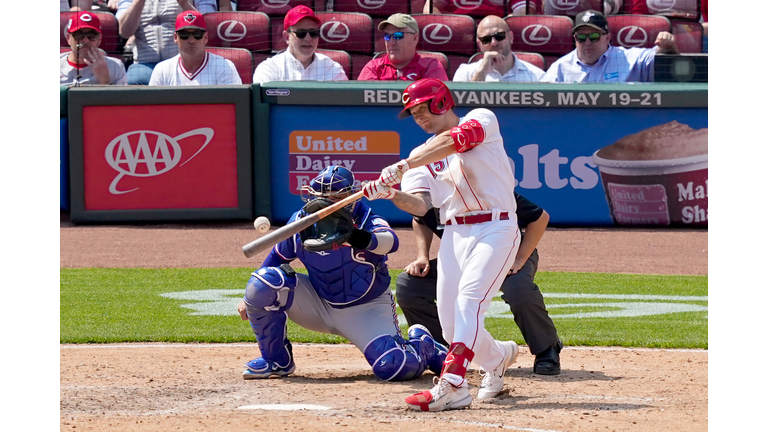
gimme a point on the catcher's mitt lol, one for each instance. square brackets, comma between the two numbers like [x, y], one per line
[328, 233]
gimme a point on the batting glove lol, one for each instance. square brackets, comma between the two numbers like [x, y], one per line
[393, 174]
[376, 190]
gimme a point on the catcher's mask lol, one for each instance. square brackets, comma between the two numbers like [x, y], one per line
[334, 183]
[427, 89]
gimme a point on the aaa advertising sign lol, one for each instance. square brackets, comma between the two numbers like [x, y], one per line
[160, 157]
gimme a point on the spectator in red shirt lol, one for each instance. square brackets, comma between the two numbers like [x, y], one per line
[402, 62]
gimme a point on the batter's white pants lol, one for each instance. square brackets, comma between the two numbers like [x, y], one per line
[472, 263]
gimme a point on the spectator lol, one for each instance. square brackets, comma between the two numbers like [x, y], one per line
[152, 25]
[75, 5]
[705, 24]
[499, 63]
[299, 62]
[516, 7]
[402, 62]
[595, 60]
[86, 63]
[193, 65]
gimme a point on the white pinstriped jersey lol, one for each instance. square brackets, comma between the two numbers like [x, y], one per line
[215, 70]
[68, 72]
[476, 181]
[522, 71]
[285, 67]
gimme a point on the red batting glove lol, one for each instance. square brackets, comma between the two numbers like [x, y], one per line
[376, 190]
[393, 174]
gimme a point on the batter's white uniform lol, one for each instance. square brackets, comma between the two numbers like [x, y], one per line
[473, 259]
[215, 70]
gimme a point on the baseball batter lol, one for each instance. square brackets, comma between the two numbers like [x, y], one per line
[469, 181]
[345, 291]
[193, 66]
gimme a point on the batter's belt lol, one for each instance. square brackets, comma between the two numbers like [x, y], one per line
[476, 219]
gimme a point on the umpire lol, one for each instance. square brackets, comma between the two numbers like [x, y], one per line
[417, 286]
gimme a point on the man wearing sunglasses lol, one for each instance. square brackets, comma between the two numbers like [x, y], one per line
[86, 63]
[402, 62]
[300, 62]
[193, 66]
[151, 24]
[596, 60]
[499, 63]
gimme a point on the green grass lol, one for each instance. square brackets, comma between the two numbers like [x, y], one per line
[126, 305]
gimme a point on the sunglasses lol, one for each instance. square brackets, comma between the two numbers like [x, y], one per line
[594, 37]
[79, 36]
[499, 36]
[301, 34]
[196, 34]
[396, 35]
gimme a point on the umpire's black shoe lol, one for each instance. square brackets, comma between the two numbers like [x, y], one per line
[548, 361]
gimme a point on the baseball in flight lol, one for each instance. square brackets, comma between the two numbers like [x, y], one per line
[261, 224]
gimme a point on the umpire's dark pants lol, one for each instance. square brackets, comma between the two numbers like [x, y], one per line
[416, 297]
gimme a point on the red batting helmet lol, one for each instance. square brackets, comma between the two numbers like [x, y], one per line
[424, 90]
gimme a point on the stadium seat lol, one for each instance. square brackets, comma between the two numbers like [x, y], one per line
[571, 8]
[346, 31]
[340, 57]
[473, 8]
[247, 30]
[638, 31]
[111, 41]
[686, 9]
[544, 34]
[448, 34]
[258, 58]
[689, 35]
[454, 61]
[242, 59]
[535, 59]
[272, 7]
[358, 63]
[417, 6]
[374, 8]
[548, 60]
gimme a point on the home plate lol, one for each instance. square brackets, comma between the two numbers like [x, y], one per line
[284, 407]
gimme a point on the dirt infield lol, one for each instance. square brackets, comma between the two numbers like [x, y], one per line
[161, 387]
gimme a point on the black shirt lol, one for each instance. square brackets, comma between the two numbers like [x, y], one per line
[527, 212]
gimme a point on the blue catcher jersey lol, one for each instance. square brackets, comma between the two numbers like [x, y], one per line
[345, 276]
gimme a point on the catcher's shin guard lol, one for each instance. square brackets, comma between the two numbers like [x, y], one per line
[394, 359]
[268, 295]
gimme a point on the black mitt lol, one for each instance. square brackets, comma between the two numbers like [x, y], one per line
[330, 232]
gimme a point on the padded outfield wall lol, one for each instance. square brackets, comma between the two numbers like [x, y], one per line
[237, 152]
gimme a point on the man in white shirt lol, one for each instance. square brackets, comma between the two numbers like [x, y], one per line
[499, 63]
[300, 62]
[594, 60]
[86, 63]
[193, 65]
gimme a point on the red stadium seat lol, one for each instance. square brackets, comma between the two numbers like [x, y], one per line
[110, 38]
[571, 8]
[448, 34]
[374, 8]
[638, 31]
[548, 60]
[242, 59]
[473, 8]
[272, 7]
[258, 58]
[247, 30]
[689, 35]
[340, 57]
[535, 59]
[687, 9]
[417, 6]
[276, 29]
[346, 31]
[544, 34]
[358, 63]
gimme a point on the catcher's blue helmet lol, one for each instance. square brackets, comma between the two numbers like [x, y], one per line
[334, 182]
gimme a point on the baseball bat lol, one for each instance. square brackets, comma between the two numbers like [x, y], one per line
[294, 227]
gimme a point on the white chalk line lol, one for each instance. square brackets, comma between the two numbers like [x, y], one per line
[253, 345]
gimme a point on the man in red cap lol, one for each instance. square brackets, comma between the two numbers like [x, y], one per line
[402, 62]
[463, 169]
[300, 62]
[193, 65]
[86, 63]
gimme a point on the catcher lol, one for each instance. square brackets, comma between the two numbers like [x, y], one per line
[346, 291]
